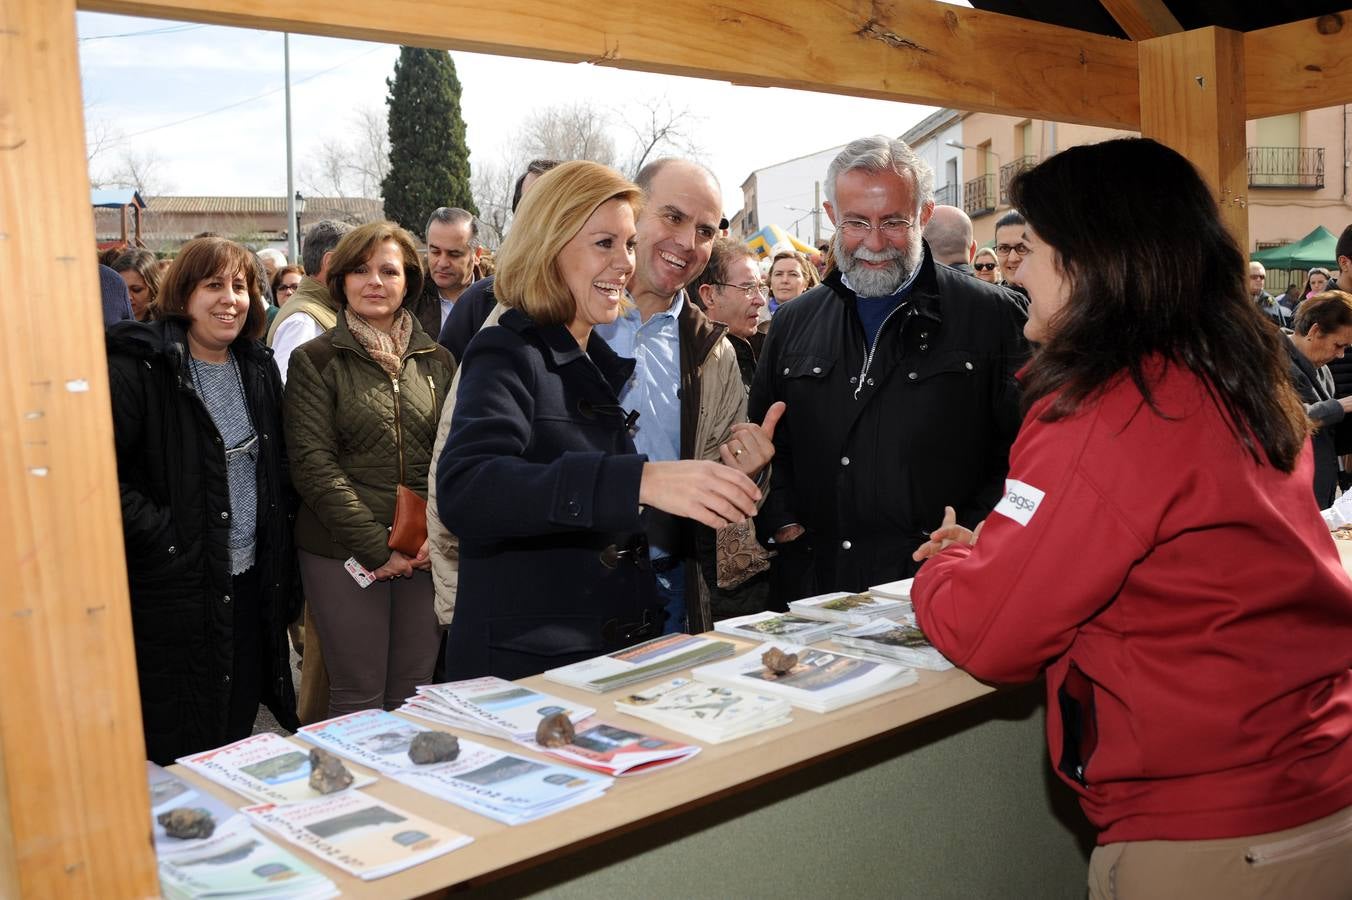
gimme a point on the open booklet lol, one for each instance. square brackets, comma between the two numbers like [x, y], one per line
[241, 865]
[612, 750]
[490, 706]
[659, 656]
[708, 712]
[265, 767]
[822, 680]
[359, 834]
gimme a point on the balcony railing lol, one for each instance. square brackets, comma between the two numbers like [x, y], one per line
[978, 195]
[1009, 170]
[948, 195]
[1286, 167]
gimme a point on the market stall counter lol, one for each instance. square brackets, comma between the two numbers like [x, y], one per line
[939, 789]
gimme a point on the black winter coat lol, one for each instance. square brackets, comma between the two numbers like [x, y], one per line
[175, 516]
[539, 480]
[868, 456]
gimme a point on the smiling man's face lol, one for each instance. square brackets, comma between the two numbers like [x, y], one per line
[676, 230]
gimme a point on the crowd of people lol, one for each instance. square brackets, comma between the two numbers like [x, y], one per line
[1098, 449]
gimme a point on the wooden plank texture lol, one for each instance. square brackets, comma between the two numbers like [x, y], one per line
[920, 51]
[1192, 98]
[1299, 66]
[74, 820]
[1142, 19]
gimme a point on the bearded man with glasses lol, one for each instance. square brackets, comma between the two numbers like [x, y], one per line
[898, 376]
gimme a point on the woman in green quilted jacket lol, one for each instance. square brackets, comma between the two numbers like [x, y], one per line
[362, 403]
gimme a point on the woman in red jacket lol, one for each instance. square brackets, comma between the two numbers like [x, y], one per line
[1158, 551]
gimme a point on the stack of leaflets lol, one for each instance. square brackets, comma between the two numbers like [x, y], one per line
[265, 768]
[490, 706]
[169, 792]
[616, 751]
[852, 609]
[777, 626]
[901, 641]
[659, 656]
[510, 789]
[895, 590]
[359, 834]
[821, 681]
[707, 712]
[240, 865]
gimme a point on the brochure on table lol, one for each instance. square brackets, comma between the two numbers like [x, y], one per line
[777, 626]
[265, 767]
[853, 609]
[708, 712]
[169, 792]
[821, 681]
[359, 834]
[612, 750]
[242, 865]
[900, 641]
[659, 656]
[491, 706]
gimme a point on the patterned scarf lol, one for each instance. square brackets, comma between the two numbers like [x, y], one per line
[386, 349]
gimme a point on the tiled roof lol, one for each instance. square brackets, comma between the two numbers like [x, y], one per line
[171, 204]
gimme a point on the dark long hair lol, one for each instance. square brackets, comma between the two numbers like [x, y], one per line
[1153, 275]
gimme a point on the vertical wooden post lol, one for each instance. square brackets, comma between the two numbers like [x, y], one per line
[74, 809]
[1192, 98]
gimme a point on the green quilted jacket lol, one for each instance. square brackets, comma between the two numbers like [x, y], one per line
[353, 434]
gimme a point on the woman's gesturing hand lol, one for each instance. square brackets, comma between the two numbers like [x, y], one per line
[705, 491]
[947, 533]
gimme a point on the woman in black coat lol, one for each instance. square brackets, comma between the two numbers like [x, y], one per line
[1323, 332]
[539, 478]
[206, 505]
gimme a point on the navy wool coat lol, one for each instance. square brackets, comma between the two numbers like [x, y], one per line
[539, 479]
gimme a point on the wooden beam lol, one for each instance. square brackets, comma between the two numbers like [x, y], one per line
[73, 799]
[1142, 19]
[919, 51]
[1192, 98]
[1299, 66]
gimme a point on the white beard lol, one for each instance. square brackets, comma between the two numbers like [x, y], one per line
[869, 282]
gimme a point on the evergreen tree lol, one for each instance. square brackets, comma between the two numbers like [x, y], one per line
[429, 159]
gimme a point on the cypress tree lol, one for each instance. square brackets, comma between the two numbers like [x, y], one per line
[429, 159]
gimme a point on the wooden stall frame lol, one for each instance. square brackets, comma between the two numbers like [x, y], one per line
[73, 801]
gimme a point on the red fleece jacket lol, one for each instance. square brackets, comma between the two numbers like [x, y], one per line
[1188, 605]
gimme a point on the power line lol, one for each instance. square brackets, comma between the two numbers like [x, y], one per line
[171, 29]
[238, 103]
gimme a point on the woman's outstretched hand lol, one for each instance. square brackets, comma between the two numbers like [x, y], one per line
[705, 491]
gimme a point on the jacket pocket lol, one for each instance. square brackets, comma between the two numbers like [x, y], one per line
[949, 363]
[805, 366]
[1079, 724]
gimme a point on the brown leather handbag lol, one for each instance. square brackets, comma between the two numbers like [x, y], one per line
[409, 530]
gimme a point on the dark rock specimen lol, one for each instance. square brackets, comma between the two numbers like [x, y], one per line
[327, 772]
[554, 731]
[430, 747]
[186, 822]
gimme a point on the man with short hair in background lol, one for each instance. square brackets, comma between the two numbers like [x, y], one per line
[474, 305]
[949, 235]
[452, 265]
[1270, 307]
[310, 311]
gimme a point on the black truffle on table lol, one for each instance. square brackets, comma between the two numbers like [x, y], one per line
[555, 730]
[328, 775]
[186, 823]
[430, 747]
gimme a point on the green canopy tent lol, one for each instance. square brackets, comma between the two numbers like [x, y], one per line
[1315, 249]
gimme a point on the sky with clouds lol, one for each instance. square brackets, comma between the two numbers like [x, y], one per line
[148, 83]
